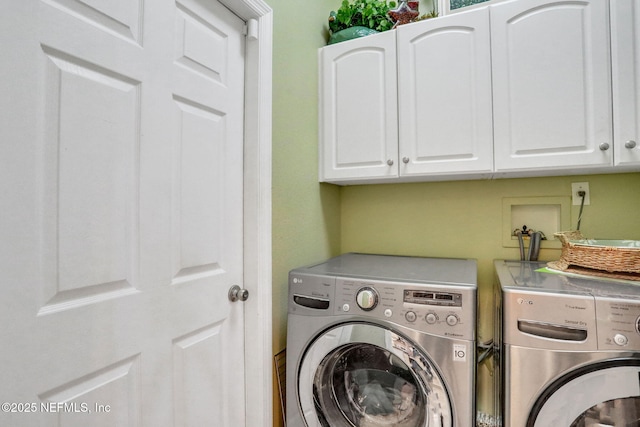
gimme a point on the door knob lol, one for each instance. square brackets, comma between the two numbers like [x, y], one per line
[630, 144]
[236, 293]
[604, 146]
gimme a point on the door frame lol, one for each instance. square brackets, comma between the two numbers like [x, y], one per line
[257, 210]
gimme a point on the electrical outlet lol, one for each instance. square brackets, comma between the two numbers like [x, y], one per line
[577, 199]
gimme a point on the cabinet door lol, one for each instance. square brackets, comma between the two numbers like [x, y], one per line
[625, 46]
[551, 85]
[444, 94]
[358, 109]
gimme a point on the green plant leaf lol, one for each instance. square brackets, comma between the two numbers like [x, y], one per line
[366, 13]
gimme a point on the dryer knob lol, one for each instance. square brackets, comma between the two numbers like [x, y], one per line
[367, 299]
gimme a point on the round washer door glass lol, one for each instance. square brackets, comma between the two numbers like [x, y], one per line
[362, 375]
[603, 394]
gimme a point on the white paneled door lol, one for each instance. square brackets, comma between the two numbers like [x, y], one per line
[121, 202]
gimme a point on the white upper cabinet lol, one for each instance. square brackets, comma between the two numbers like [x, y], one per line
[625, 51]
[358, 109]
[551, 86]
[444, 96]
[515, 88]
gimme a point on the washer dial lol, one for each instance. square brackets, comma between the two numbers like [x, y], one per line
[367, 298]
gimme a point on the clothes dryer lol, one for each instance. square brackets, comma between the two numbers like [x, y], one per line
[569, 348]
[377, 340]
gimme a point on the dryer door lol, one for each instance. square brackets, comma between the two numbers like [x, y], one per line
[364, 375]
[601, 394]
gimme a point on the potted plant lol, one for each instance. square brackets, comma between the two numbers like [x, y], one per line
[357, 18]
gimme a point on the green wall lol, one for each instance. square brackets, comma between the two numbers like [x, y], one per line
[464, 218]
[313, 221]
[306, 215]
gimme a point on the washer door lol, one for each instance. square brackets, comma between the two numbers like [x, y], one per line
[598, 395]
[364, 375]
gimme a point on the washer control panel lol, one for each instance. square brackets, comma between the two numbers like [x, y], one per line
[618, 323]
[440, 310]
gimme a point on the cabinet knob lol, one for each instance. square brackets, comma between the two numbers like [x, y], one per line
[390, 162]
[604, 146]
[630, 144]
[405, 160]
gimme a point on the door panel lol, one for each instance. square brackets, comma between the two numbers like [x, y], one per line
[122, 185]
[625, 51]
[551, 84]
[89, 182]
[444, 92]
[358, 139]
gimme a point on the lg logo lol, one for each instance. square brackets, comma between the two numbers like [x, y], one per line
[523, 301]
[459, 352]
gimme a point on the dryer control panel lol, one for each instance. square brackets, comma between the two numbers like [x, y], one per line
[618, 323]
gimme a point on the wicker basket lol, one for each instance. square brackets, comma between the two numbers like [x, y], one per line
[610, 261]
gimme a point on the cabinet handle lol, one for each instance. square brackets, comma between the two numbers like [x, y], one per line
[390, 162]
[405, 160]
[630, 144]
[604, 146]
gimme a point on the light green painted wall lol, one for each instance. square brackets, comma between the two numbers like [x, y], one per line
[313, 221]
[464, 218]
[306, 215]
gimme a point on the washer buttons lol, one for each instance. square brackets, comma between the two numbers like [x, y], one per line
[345, 307]
[620, 339]
[431, 318]
[411, 316]
[388, 313]
[452, 320]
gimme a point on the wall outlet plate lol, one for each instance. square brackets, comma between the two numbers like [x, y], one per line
[576, 200]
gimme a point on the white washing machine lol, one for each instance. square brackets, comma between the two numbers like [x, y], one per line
[377, 340]
[569, 348]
